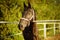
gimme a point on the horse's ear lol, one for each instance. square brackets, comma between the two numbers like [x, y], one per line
[25, 6]
[29, 6]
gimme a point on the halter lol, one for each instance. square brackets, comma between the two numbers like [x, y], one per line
[30, 18]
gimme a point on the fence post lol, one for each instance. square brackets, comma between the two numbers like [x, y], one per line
[44, 30]
[59, 28]
[54, 28]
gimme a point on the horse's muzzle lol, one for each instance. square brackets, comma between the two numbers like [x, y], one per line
[21, 27]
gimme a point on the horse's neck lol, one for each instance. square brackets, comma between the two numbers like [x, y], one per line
[30, 32]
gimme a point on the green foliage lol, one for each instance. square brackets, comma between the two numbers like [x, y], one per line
[10, 10]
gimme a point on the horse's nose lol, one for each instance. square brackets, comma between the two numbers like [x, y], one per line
[21, 27]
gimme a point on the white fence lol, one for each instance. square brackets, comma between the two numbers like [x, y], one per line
[44, 22]
[45, 29]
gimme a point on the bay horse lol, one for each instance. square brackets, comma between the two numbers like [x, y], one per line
[27, 25]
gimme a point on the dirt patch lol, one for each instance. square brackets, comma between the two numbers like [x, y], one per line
[56, 37]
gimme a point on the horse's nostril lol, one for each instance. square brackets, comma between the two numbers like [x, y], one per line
[21, 25]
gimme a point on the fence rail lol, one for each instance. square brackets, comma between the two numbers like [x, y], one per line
[44, 22]
[37, 21]
[45, 29]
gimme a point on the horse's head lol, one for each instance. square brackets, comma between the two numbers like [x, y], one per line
[27, 17]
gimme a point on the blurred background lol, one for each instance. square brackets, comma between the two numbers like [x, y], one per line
[11, 10]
